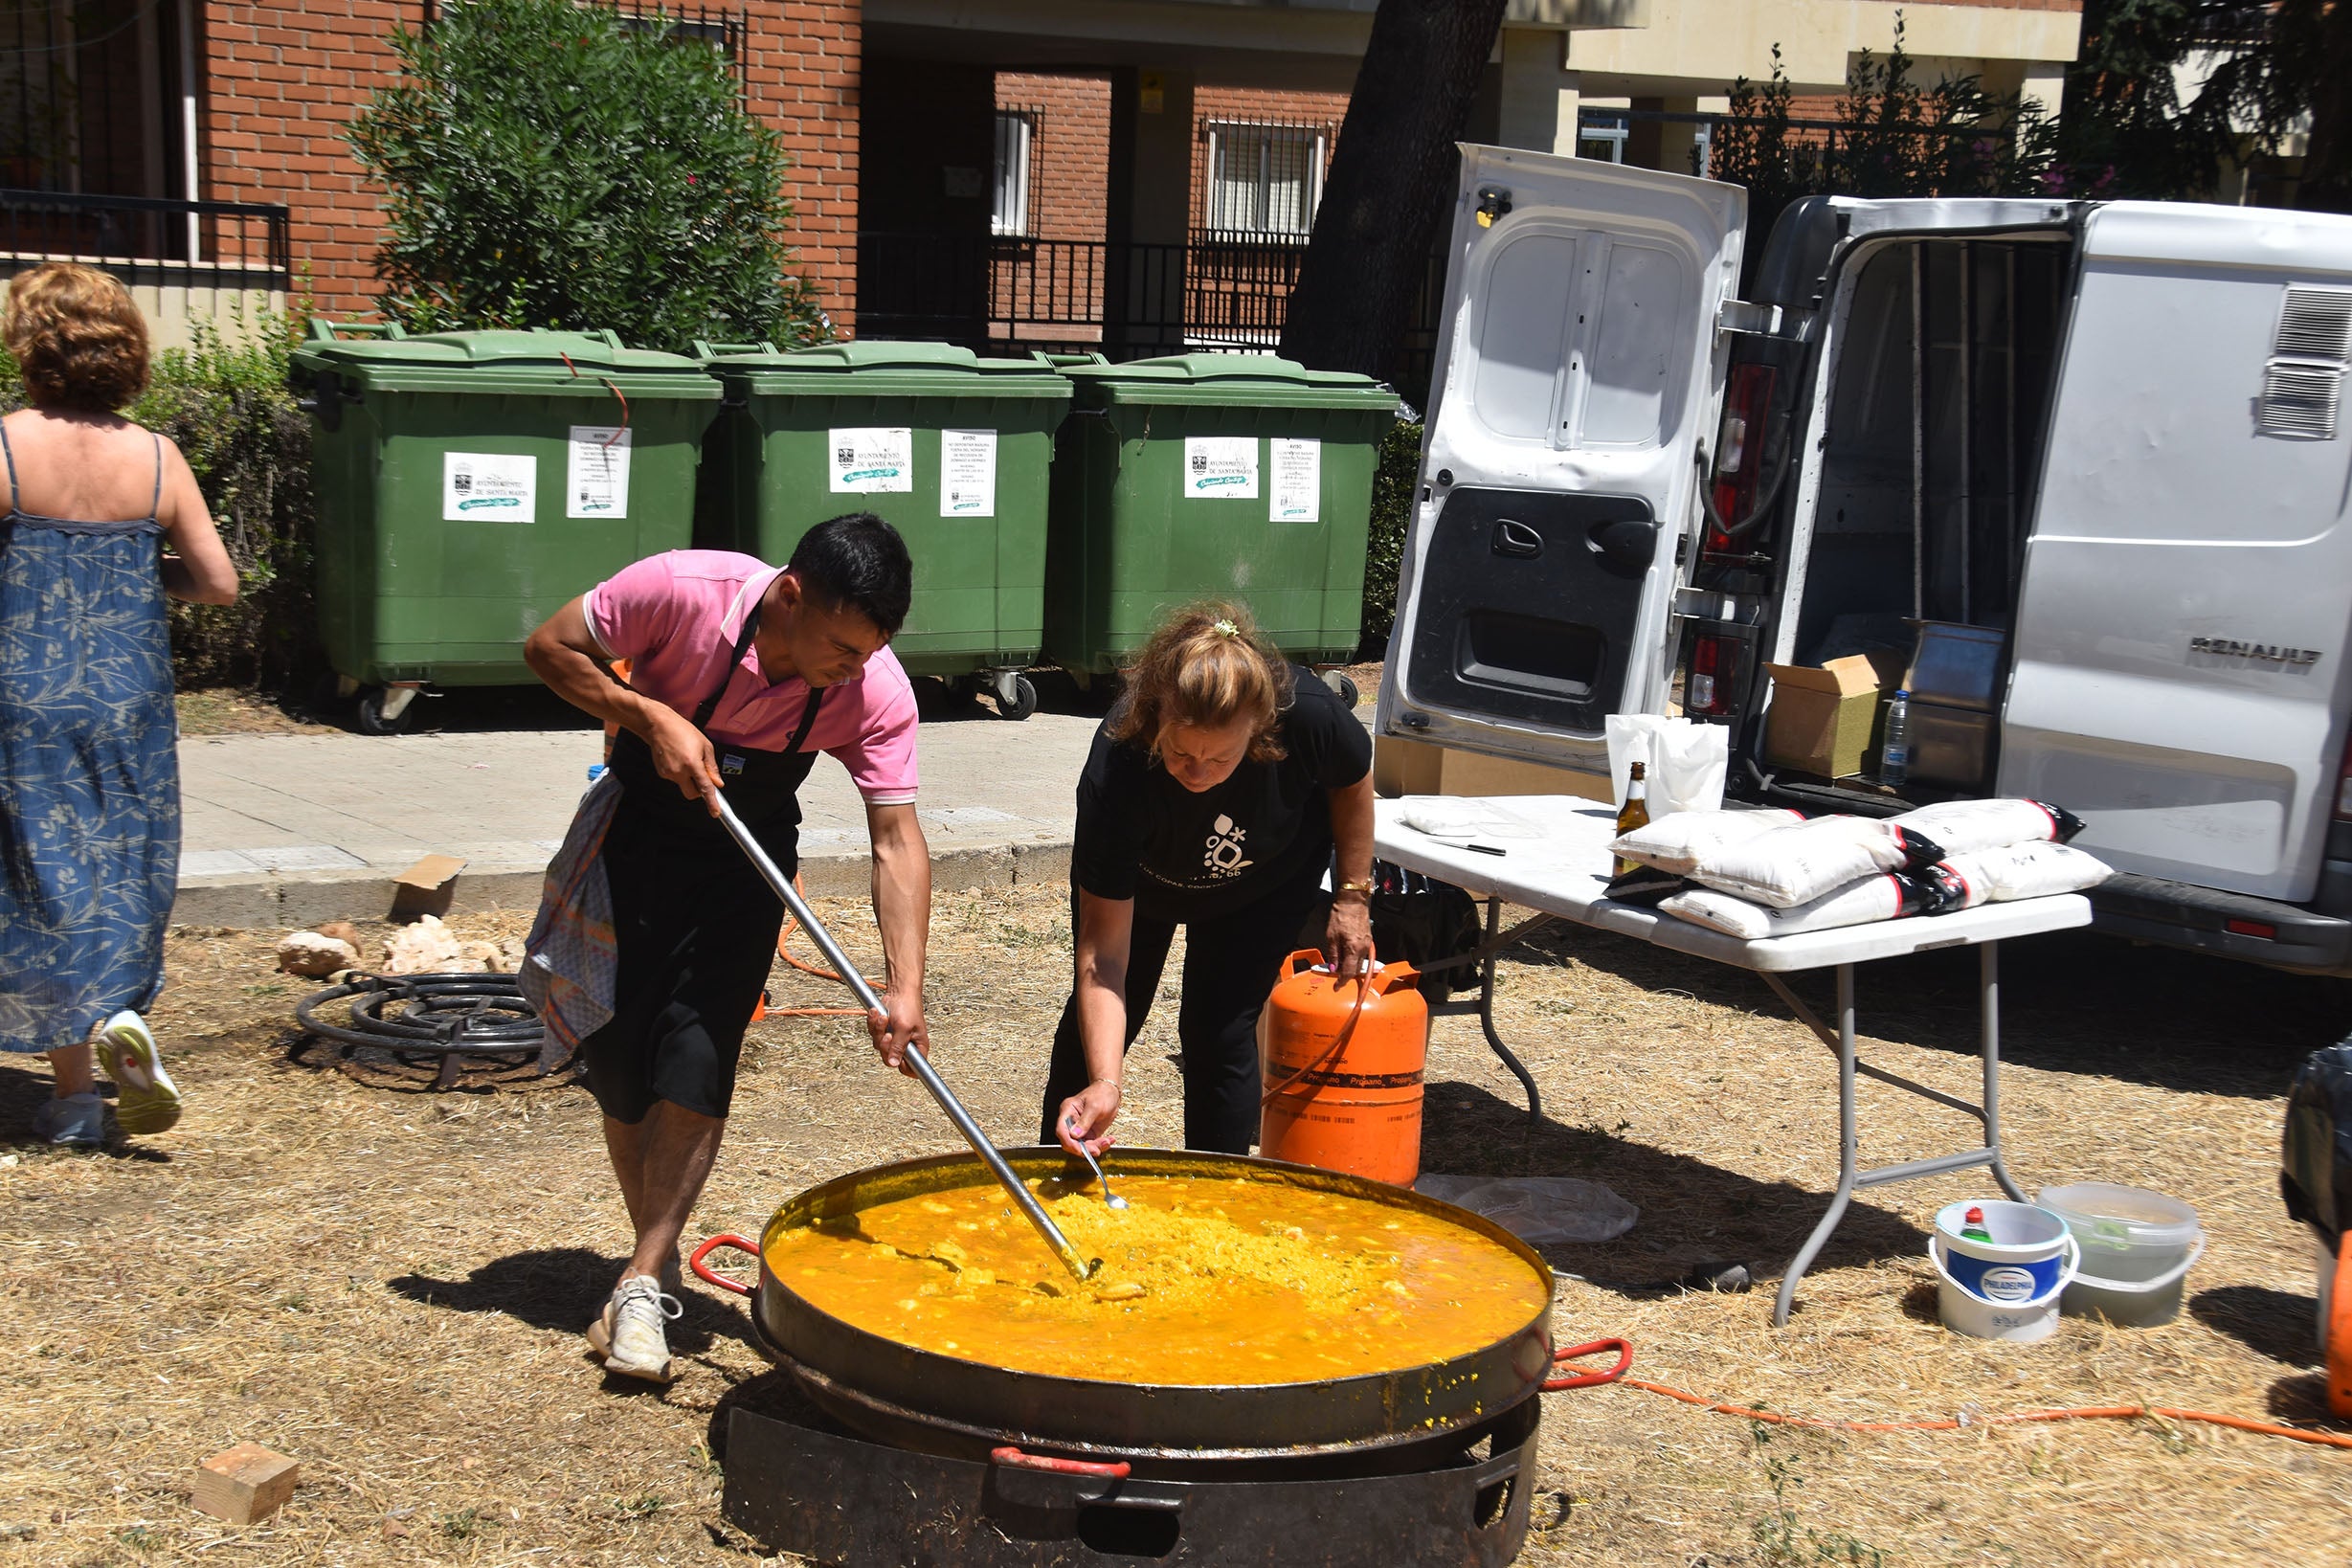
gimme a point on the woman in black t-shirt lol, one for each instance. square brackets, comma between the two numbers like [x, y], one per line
[1219, 792]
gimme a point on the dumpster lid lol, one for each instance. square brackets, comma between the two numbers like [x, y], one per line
[1244, 378]
[509, 348]
[876, 358]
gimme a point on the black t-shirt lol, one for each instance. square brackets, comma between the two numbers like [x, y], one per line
[1181, 856]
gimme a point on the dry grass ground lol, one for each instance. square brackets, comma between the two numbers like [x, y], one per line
[389, 1286]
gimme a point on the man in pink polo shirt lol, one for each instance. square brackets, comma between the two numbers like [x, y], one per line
[740, 674]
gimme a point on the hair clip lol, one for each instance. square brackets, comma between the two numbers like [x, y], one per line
[1227, 628]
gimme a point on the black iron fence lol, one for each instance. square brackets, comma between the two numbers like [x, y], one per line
[1005, 293]
[216, 244]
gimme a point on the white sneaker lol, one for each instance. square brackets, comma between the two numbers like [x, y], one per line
[146, 1098]
[635, 1330]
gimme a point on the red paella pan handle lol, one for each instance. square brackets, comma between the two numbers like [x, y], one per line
[1020, 1461]
[710, 1276]
[1580, 1380]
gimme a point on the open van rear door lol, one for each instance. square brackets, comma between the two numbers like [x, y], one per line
[1579, 372]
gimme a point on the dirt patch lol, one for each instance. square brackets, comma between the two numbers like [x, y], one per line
[389, 1286]
[234, 710]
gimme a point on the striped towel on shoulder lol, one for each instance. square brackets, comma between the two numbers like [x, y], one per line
[571, 961]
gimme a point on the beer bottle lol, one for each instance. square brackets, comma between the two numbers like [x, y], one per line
[1635, 811]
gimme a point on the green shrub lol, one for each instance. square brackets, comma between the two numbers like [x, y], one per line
[227, 407]
[557, 165]
[1393, 479]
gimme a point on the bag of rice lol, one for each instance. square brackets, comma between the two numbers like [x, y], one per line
[1680, 842]
[1964, 826]
[1793, 865]
[1888, 895]
[2028, 870]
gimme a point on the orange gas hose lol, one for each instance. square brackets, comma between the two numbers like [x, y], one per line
[791, 924]
[2092, 1412]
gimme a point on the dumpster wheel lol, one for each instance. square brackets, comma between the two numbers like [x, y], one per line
[1015, 693]
[1343, 688]
[387, 710]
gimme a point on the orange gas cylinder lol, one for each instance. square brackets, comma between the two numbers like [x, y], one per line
[2336, 1334]
[1342, 1063]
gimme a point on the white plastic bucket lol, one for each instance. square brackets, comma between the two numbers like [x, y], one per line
[2022, 1260]
[2137, 1250]
[2019, 1322]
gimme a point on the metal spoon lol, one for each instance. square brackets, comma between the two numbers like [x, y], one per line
[1110, 1199]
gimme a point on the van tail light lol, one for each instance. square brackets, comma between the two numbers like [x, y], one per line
[1707, 691]
[2343, 784]
[1739, 454]
[2261, 930]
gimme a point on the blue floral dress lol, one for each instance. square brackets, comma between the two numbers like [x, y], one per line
[89, 773]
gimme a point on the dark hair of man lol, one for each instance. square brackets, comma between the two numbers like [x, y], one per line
[857, 562]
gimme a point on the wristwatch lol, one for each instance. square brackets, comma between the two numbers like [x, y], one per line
[1364, 887]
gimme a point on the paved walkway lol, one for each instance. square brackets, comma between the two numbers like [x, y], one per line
[287, 830]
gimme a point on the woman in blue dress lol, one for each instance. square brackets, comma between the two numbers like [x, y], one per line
[103, 520]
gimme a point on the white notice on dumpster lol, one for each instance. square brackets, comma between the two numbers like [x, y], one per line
[1297, 483]
[870, 459]
[597, 472]
[1220, 467]
[494, 485]
[967, 473]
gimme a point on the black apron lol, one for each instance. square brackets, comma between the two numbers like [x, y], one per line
[763, 787]
[694, 923]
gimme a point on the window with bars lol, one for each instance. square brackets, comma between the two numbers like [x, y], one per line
[1263, 181]
[91, 97]
[1016, 139]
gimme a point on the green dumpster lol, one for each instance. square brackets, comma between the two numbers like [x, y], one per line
[1212, 476]
[471, 483]
[949, 448]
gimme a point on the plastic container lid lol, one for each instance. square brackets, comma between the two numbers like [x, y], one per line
[853, 369]
[2113, 1219]
[493, 360]
[1239, 380]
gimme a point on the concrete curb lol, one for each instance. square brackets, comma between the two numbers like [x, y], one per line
[286, 901]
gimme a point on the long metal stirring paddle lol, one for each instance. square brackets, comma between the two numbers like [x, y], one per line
[1036, 1214]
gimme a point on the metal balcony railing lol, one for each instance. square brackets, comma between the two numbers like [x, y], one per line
[146, 240]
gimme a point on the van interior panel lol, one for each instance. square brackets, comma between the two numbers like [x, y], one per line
[1528, 601]
[1936, 417]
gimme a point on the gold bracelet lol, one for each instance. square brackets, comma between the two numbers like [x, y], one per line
[1345, 887]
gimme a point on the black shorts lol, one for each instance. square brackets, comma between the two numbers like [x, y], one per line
[695, 928]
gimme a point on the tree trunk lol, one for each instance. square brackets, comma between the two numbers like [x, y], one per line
[2327, 158]
[1389, 180]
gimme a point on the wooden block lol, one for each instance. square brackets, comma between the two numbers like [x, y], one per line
[246, 1484]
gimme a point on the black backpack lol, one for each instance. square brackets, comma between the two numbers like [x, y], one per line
[1424, 922]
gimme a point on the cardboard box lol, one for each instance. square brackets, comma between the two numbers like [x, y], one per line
[1821, 717]
[1411, 766]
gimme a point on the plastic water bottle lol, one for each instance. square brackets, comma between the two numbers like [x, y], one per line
[1894, 752]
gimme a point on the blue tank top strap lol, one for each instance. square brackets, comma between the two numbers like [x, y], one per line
[9, 451]
[155, 502]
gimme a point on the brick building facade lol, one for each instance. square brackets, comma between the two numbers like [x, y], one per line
[281, 79]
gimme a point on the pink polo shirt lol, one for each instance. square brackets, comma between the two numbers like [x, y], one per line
[674, 617]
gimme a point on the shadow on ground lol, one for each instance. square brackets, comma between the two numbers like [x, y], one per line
[562, 1288]
[2278, 1324]
[2203, 1025]
[1692, 1213]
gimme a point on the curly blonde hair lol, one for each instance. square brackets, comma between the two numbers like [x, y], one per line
[80, 341]
[1205, 667]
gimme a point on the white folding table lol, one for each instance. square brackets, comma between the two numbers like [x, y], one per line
[1556, 861]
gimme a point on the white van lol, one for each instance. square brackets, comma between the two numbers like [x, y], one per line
[2097, 449]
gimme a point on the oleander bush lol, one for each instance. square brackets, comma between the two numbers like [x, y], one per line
[561, 165]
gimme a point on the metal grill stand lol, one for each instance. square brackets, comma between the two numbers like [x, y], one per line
[445, 1030]
[797, 1483]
